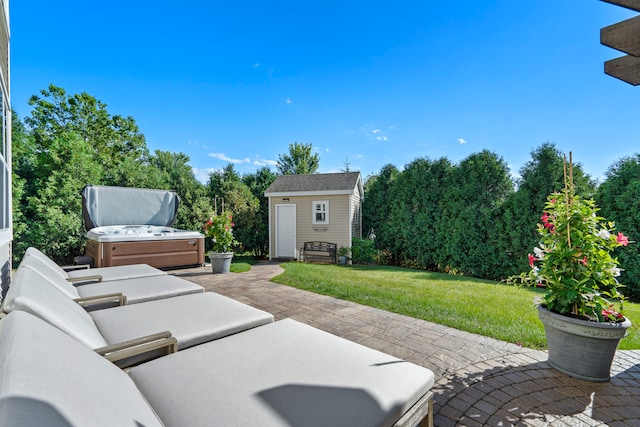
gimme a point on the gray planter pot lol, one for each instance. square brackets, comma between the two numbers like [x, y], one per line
[581, 348]
[220, 262]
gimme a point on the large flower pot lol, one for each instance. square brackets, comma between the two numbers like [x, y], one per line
[220, 261]
[581, 348]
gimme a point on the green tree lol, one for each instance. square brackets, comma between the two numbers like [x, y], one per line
[299, 161]
[619, 200]
[22, 166]
[227, 186]
[70, 141]
[53, 205]
[376, 208]
[256, 238]
[178, 175]
[479, 186]
[539, 177]
[112, 137]
[416, 211]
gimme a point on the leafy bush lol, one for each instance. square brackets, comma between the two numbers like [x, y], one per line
[363, 251]
[219, 228]
[619, 200]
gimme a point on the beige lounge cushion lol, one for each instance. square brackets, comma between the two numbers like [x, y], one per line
[45, 264]
[49, 379]
[49, 275]
[44, 261]
[191, 319]
[282, 374]
[142, 289]
[136, 290]
[32, 293]
[118, 273]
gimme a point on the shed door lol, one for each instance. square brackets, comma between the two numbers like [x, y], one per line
[286, 231]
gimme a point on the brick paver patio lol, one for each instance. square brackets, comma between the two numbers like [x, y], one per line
[479, 380]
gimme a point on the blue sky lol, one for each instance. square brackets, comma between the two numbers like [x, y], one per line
[374, 82]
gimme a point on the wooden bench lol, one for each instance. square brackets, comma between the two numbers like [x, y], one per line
[319, 250]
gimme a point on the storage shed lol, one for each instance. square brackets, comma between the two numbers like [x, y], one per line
[316, 207]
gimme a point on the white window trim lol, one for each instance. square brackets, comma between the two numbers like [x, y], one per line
[313, 212]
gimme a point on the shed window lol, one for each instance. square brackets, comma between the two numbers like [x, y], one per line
[321, 212]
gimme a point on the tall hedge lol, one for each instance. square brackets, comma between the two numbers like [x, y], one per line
[619, 200]
[416, 212]
[472, 217]
[477, 188]
[521, 211]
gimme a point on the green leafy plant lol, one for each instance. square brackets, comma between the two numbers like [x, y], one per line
[219, 229]
[573, 260]
[343, 251]
[363, 251]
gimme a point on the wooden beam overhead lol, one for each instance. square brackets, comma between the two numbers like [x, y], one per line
[626, 68]
[623, 36]
[629, 4]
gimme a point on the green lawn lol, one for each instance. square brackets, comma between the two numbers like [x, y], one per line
[242, 263]
[483, 307]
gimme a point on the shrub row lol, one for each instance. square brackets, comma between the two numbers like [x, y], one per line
[473, 218]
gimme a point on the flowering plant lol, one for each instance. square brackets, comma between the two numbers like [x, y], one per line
[573, 259]
[219, 229]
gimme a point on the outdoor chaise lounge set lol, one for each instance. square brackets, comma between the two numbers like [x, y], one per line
[133, 346]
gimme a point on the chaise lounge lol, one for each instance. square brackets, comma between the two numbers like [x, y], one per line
[103, 274]
[281, 374]
[190, 319]
[136, 290]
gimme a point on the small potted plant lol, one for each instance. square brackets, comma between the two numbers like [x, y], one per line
[581, 309]
[343, 254]
[219, 228]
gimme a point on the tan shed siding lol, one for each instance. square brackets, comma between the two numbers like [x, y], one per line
[272, 228]
[274, 201]
[337, 231]
[356, 216]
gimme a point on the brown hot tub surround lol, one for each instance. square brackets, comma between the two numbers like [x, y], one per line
[133, 226]
[144, 244]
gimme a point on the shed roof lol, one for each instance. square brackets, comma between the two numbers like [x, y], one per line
[316, 184]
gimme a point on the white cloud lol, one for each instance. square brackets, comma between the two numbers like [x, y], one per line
[224, 157]
[288, 101]
[202, 175]
[462, 141]
[358, 156]
[263, 162]
[256, 65]
[375, 134]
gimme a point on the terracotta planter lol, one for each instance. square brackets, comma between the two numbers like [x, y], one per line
[220, 262]
[581, 348]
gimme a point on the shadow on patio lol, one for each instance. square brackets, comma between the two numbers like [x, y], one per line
[479, 380]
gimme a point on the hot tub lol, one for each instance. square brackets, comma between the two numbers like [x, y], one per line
[144, 244]
[122, 233]
[142, 233]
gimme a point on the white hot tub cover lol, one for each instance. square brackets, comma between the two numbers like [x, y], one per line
[106, 205]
